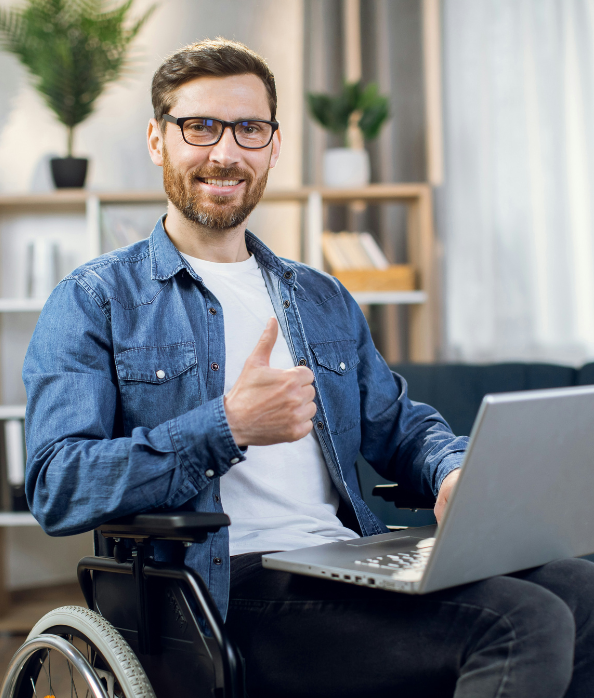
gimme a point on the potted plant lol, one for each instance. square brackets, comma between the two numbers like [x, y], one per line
[355, 114]
[72, 49]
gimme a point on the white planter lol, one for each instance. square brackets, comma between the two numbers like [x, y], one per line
[346, 167]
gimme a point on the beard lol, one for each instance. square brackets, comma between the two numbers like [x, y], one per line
[214, 212]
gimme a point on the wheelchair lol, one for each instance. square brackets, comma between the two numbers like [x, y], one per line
[151, 629]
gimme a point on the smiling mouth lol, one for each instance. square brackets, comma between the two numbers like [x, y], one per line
[220, 182]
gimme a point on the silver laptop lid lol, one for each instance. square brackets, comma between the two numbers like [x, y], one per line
[527, 490]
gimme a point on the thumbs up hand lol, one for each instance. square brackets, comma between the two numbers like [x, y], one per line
[270, 405]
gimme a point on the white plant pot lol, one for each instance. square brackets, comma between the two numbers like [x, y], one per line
[346, 167]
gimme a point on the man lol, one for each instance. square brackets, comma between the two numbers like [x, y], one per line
[158, 378]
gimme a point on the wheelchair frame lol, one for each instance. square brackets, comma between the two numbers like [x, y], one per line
[195, 614]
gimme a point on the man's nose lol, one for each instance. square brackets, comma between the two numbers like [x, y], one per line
[226, 152]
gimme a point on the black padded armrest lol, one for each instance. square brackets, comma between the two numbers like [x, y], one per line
[402, 497]
[186, 526]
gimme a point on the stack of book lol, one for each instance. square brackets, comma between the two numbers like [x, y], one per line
[356, 260]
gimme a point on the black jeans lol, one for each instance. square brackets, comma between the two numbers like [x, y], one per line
[521, 636]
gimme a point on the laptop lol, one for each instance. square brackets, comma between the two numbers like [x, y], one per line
[524, 498]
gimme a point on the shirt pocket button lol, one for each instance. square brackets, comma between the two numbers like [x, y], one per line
[160, 374]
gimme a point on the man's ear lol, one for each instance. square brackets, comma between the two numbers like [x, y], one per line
[154, 138]
[276, 146]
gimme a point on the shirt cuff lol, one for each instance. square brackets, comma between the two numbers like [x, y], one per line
[204, 443]
[453, 461]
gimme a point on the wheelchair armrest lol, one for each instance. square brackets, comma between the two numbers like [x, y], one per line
[402, 497]
[186, 526]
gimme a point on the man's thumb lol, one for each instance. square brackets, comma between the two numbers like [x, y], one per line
[263, 349]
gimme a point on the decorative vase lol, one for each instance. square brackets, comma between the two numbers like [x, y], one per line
[69, 173]
[346, 167]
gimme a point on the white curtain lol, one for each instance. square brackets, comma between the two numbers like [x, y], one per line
[517, 210]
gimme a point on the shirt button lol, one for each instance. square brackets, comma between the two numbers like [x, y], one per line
[302, 362]
[342, 365]
[160, 374]
[217, 498]
[209, 472]
[212, 311]
[214, 366]
[286, 304]
[288, 274]
[234, 460]
[217, 560]
[320, 425]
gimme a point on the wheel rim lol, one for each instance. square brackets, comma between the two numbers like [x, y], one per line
[31, 673]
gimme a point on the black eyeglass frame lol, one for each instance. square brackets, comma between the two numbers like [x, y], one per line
[180, 121]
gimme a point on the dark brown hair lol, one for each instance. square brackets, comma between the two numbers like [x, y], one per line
[213, 57]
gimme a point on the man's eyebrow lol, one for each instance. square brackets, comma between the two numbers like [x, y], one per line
[241, 118]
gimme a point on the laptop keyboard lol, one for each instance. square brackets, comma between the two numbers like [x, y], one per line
[408, 566]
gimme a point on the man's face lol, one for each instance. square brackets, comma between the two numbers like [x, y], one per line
[216, 186]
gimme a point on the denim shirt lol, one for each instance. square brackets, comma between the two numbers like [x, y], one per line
[125, 376]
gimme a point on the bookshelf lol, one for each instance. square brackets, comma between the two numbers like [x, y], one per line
[416, 197]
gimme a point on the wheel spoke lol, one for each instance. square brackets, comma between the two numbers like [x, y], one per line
[72, 677]
[48, 674]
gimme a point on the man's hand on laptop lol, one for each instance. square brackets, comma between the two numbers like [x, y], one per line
[445, 492]
[270, 405]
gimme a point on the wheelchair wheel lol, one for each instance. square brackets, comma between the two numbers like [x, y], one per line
[45, 669]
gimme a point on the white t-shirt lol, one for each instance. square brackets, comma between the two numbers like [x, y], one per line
[281, 497]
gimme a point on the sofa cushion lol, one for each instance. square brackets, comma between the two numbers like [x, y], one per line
[585, 375]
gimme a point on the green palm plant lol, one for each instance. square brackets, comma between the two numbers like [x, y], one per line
[72, 49]
[353, 112]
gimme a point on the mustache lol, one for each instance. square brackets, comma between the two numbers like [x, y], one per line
[220, 173]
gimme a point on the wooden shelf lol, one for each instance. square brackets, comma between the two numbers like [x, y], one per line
[78, 197]
[21, 305]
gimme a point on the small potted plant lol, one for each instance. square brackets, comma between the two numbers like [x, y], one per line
[356, 114]
[72, 49]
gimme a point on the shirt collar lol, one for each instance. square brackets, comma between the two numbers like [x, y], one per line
[166, 261]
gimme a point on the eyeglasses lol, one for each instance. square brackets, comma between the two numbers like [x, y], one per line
[201, 130]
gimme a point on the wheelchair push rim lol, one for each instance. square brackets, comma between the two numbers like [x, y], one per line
[27, 654]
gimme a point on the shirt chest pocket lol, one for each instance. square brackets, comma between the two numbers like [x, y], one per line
[336, 364]
[157, 383]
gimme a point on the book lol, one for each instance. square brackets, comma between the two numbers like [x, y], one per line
[333, 254]
[352, 251]
[14, 443]
[374, 251]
